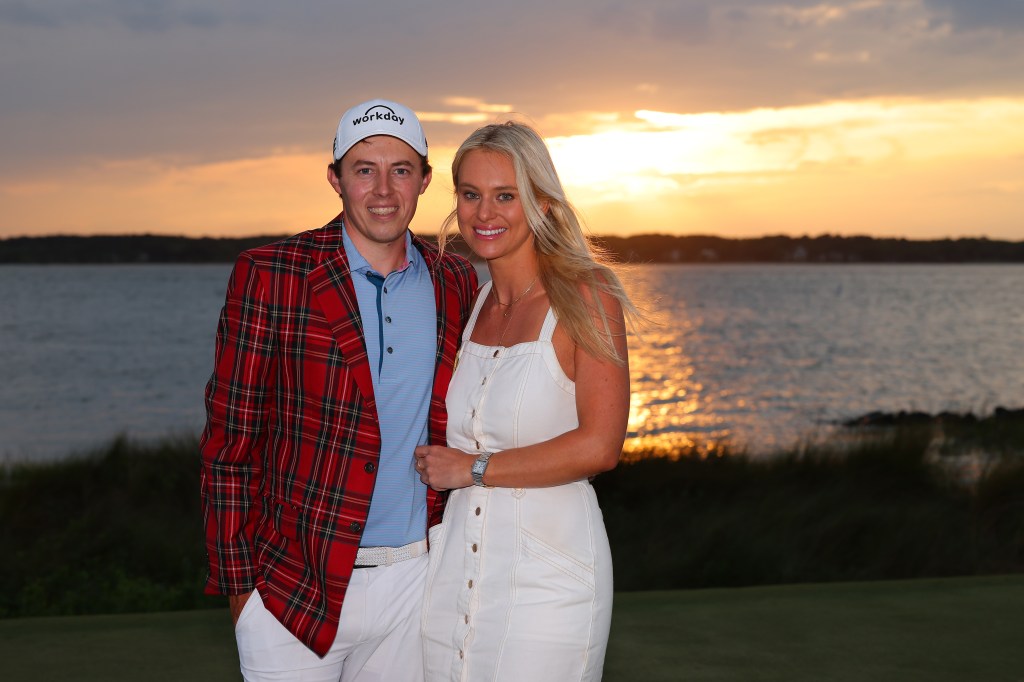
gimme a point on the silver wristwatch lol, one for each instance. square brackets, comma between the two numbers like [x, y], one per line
[479, 467]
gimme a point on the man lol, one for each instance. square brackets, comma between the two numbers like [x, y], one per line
[334, 352]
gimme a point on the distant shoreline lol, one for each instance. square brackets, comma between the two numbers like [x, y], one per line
[654, 248]
[918, 418]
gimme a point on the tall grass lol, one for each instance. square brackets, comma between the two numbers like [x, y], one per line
[120, 530]
[116, 531]
[879, 507]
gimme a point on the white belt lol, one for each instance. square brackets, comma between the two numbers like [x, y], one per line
[385, 556]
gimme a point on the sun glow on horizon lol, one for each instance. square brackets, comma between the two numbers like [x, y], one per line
[672, 150]
[881, 166]
[878, 166]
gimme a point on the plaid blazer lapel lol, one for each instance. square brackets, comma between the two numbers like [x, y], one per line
[331, 284]
[449, 307]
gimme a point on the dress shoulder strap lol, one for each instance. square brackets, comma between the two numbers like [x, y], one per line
[547, 330]
[481, 294]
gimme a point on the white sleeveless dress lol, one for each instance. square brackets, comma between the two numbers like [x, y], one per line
[519, 587]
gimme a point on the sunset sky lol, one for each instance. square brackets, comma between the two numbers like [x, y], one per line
[730, 117]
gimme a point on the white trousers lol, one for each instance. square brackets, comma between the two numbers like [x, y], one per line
[378, 638]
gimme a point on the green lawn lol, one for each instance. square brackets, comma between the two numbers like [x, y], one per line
[961, 629]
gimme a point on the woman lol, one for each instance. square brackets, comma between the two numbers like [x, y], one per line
[520, 579]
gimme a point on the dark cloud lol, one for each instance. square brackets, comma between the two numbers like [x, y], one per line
[136, 15]
[1004, 15]
[164, 15]
[687, 21]
[21, 14]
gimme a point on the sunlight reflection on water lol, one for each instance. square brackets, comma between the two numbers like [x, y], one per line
[766, 356]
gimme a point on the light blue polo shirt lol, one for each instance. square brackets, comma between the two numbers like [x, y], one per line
[400, 332]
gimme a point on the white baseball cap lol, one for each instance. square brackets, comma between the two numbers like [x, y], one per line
[379, 117]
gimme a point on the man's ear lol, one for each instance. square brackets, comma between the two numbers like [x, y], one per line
[333, 179]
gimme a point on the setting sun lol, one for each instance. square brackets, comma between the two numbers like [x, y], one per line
[789, 168]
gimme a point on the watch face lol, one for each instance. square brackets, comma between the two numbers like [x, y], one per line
[478, 469]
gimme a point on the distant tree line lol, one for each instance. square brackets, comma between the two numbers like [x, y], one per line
[822, 249]
[653, 248]
[146, 248]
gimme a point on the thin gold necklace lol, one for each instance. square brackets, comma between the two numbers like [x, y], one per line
[515, 300]
[507, 314]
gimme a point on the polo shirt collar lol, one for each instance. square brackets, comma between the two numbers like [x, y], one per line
[357, 263]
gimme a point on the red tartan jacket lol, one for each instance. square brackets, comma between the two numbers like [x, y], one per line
[291, 444]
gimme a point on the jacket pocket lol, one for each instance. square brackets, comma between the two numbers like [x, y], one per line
[287, 518]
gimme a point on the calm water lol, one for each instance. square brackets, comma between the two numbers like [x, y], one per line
[769, 354]
[761, 354]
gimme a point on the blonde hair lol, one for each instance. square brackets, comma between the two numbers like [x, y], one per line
[570, 265]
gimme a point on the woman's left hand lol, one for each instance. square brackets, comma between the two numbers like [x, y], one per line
[444, 468]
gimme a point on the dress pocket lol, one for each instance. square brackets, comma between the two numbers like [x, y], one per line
[558, 560]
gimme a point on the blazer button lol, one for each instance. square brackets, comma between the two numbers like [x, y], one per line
[369, 467]
[355, 526]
